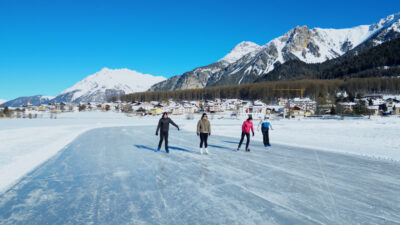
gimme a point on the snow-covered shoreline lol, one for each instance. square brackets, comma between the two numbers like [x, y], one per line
[26, 144]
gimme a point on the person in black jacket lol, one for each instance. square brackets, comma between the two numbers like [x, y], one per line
[163, 126]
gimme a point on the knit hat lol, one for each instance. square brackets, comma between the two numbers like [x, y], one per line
[204, 114]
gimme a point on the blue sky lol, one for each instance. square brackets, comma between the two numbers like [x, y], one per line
[48, 46]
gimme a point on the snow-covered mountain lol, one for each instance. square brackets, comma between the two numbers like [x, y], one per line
[248, 61]
[35, 100]
[239, 51]
[107, 83]
[2, 101]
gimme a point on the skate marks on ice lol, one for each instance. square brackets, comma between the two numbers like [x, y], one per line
[113, 176]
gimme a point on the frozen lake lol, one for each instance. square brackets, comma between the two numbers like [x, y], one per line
[114, 176]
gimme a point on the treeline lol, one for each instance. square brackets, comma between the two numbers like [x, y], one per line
[267, 91]
[380, 61]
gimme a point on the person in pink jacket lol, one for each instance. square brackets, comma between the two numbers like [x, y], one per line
[247, 125]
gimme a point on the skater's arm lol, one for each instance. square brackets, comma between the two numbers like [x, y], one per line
[158, 127]
[252, 128]
[174, 124]
[198, 127]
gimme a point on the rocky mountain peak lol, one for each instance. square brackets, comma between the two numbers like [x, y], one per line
[243, 48]
[386, 22]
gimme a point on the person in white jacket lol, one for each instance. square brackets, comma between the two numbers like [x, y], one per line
[265, 126]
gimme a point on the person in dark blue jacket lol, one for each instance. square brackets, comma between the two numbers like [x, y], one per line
[163, 127]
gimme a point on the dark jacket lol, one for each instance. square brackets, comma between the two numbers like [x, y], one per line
[163, 125]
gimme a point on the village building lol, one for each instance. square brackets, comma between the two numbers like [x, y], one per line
[347, 107]
[178, 110]
[191, 108]
[373, 110]
[156, 111]
[326, 109]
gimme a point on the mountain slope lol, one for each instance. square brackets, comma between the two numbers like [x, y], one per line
[34, 100]
[382, 60]
[108, 83]
[207, 75]
[239, 51]
[248, 62]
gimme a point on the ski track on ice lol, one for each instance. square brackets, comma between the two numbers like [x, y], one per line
[114, 176]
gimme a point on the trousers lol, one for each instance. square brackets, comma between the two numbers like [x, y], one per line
[247, 137]
[203, 139]
[163, 135]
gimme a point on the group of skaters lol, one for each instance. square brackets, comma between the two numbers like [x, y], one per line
[204, 131]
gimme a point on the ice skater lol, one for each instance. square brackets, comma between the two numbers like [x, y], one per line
[265, 126]
[163, 126]
[247, 125]
[203, 130]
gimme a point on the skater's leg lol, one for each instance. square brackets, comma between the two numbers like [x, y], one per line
[248, 140]
[205, 142]
[241, 140]
[264, 137]
[161, 140]
[267, 135]
[201, 140]
[166, 141]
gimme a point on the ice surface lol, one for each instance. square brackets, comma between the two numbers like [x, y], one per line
[113, 176]
[25, 144]
[376, 137]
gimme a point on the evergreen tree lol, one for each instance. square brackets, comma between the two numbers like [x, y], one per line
[383, 107]
[333, 110]
[81, 107]
[7, 111]
[360, 108]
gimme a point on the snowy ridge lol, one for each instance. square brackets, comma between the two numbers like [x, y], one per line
[308, 45]
[248, 61]
[240, 50]
[2, 101]
[329, 43]
[33, 100]
[117, 80]
[43, 97]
